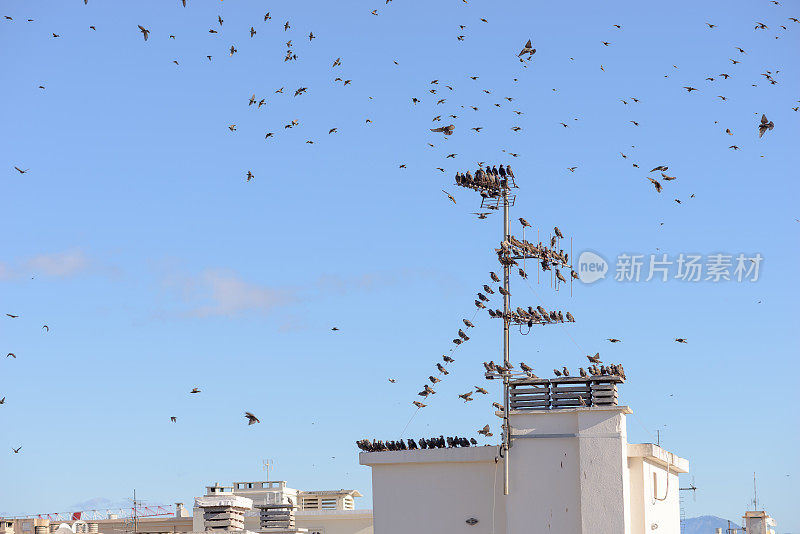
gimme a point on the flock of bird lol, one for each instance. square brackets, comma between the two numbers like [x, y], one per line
[423, 443]
[251, 419]
[488, 180]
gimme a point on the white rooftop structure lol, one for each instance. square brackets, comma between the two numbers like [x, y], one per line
[572, 472]
[314, 512]
[758, 522]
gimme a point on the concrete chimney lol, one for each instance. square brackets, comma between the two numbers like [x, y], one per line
[180, 510]
[223, 512]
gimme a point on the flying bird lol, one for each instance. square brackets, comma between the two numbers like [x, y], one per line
[655, 183]
[173, 419]
[765, 125]
[527, 49]
[614, 340]
[46, 328]
[251, 419]
[680, 340]
[485, 431]
[447, 130]
[145, 32]
[16, 451]
[195, 390]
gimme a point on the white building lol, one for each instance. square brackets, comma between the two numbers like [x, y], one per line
[758, 522]
[317, 512]
[572, 471]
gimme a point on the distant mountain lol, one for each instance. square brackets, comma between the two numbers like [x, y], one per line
[706, 524]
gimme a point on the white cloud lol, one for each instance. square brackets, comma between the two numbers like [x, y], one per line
[218, 292]
[61, 265]
[57, 265]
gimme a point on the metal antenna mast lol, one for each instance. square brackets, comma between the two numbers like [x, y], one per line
[494, 187]
[506, 354]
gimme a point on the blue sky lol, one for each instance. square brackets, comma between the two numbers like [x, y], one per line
[135, 237]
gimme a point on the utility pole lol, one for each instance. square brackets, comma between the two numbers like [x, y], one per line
[135, 514]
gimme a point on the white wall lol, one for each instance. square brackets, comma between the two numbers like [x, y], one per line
[439, 495]
[655, 488]
[572, 464]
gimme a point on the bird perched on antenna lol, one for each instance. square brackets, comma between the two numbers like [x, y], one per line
[524, 223]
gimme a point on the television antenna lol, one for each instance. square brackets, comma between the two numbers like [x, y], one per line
[693, 489]
[495, 188]
[267, 466]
